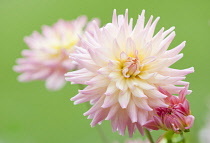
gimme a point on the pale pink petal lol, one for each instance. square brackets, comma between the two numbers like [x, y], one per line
[55, 81]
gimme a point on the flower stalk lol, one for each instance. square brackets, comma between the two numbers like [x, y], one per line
[182, 138]
[171, 137]
[149, 136]
[102, 134]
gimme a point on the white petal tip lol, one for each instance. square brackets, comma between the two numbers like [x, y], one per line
[107, 94]
[192, 69]
[92, 125]
[75, 103]
[134, 121]
[104, 106]
[123, 106]
[143, 12]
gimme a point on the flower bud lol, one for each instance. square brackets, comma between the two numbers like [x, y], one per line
[175, 117]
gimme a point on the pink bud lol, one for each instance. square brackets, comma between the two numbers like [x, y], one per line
[175, 117]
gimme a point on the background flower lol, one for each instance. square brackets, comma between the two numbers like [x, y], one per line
[204, 134]
[137, 141]
[48, 56]
[205, 130]
[123, 67]
[134, 141]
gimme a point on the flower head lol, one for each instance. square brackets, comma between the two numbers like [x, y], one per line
[123, 68]
[48, 56]
[175, 117]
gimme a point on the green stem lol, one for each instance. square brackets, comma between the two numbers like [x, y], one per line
[149, 136]
[182, 136]
[102, 134]
[169, 140]
[167, 135]
[98, 127]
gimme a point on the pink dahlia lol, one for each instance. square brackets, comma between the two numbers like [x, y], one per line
[48, 56]
[176, 117]
[123, 67]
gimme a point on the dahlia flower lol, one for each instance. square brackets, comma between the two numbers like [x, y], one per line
[48, 56]
[176, 117]
[123, 67]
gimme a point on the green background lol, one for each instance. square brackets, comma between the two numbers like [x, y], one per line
[29, 113]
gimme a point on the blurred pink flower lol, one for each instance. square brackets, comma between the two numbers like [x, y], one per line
[205, 129]
[48, 56]
[175, 117]
[204, 134]
[123, 68]
[137, 141]
[134, 141]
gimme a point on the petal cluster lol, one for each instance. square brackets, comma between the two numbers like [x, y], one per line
[123, 66]
[175, 117]
[48, 55]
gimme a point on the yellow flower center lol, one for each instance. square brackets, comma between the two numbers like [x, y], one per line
[59, 48]
[67, 46]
